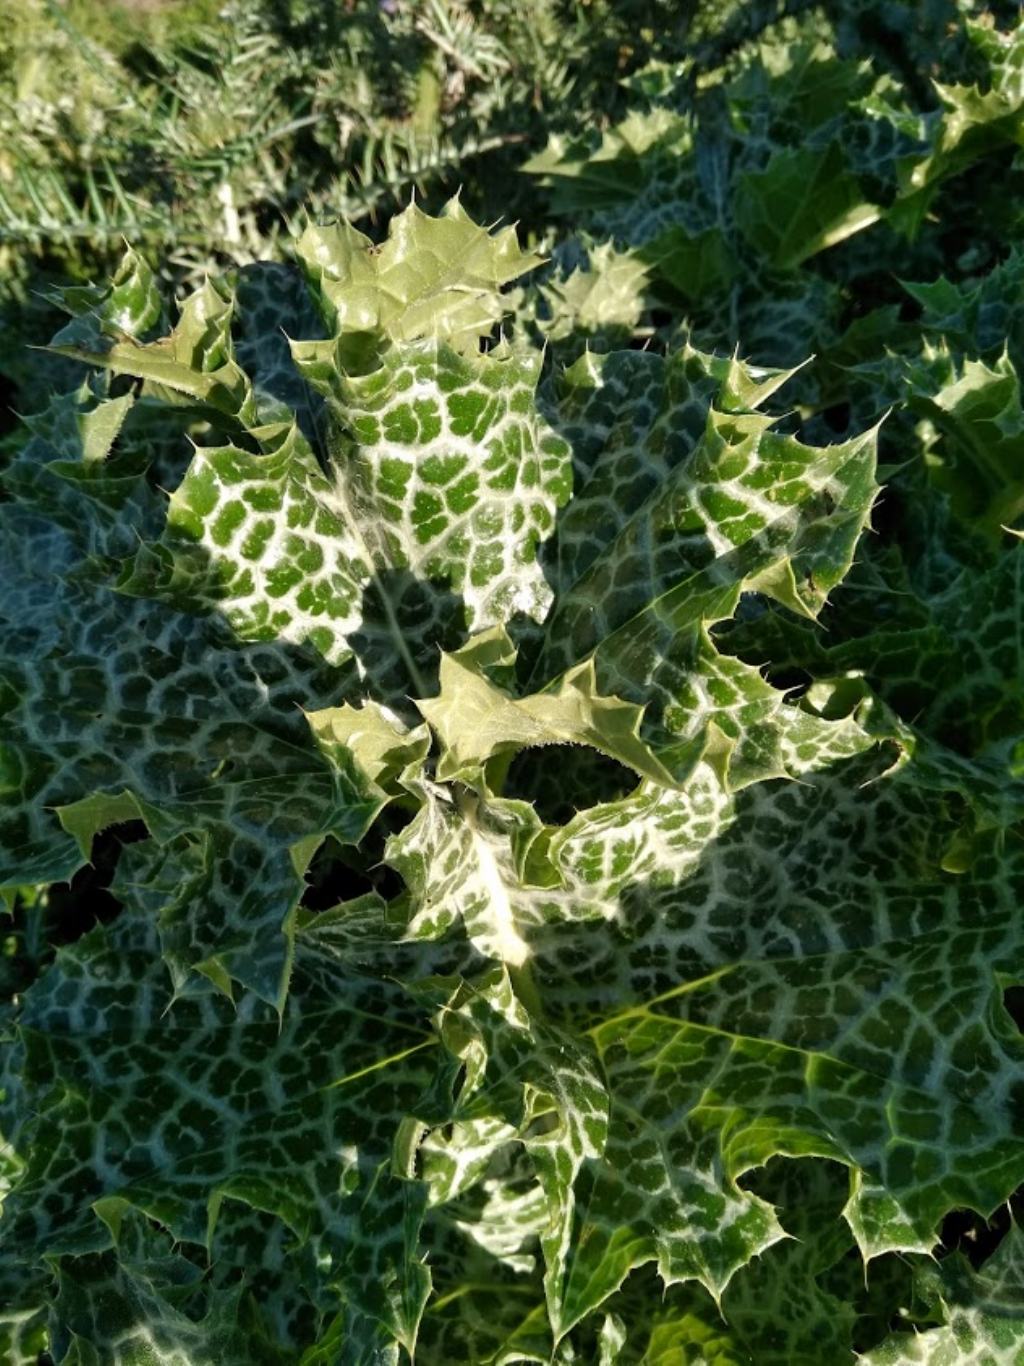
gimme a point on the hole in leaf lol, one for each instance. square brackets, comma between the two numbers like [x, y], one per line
[1013, 1001]
[792, 681]
[965, 1231]
[560, 780]
[889, 513]
[837, 417]
[77, 906]
[910, 310]
[804, 1191]
[7, 402]
[342, 872]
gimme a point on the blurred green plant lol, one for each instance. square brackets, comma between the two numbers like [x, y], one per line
[201, 133]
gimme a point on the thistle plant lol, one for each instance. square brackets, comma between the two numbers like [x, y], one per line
[505, 964]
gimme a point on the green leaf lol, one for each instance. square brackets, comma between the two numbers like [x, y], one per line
[978, 459]
[133, 1308]
[454, 489]
[695, 264]
[982, 1312]
[678, 507]
[600, 305]
[782, 1308]
[130, 306]
[195, 360]
[437, 278]
[475, 720]
[976, 317]
[757, 1001]
[972, 125]
[801, 203]
[109, 1051]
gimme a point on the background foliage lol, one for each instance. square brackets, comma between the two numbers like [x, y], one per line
[521, 1023]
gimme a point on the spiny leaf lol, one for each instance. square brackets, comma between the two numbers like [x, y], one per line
[800, 204]
[978, 459]
[982, 1312]
[433, 277]
[475, 720]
